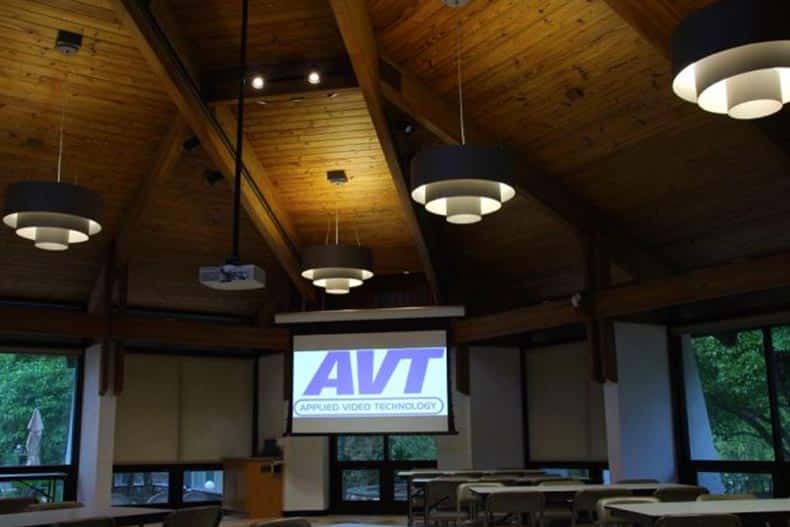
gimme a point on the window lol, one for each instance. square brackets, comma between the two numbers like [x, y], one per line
[37, 395]
[364, 470]
[727, 402]
[737, 410]
[140, 488]
[579, 473]
[202, 485]
[761, 485]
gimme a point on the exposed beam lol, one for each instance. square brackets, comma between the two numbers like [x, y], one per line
[705, 284]
[281, 80]
[169, 152]
[413, 97]
[169, 331]
[259, 200]
[356, 28]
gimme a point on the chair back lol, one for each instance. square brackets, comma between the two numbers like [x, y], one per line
[92, 522]
[586, 501]
[670, 494]
[712, 520]
[283, 522]
[516, 502]
[53, 506]
[607, 517]
[442, 493]
[725, 497]
[15, 505]
[499, 477]
[557, 482]
[632, 481]
[194, 517]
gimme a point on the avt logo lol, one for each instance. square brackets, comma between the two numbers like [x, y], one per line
[370, 382]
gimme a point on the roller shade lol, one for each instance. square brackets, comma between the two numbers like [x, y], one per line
[184, 409]
[566, 409]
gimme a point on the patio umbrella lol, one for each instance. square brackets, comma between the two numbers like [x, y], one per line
[35, 429]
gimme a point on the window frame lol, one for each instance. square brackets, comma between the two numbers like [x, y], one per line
[67, 472]
[688, 467]
[175, 481]
[387, 469]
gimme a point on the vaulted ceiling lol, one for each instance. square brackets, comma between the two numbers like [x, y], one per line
[581, 88]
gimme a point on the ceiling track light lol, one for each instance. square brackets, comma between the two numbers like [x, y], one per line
[733, 58]
[314, 77]
[54, 214]
[258, 82]
[463, 182]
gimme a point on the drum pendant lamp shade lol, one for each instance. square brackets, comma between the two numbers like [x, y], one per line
[463, 182]
[337, 268]
[733, 58]
[53, 215]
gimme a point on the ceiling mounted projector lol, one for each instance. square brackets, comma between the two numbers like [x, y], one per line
[231, 277]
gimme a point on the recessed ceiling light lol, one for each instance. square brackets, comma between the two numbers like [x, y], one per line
[258, 82]
[314, 77]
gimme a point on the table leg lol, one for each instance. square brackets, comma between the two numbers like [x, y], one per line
[410, 521]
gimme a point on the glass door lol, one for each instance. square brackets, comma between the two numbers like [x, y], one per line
[364, 471]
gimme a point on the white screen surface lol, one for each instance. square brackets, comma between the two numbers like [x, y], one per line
[370, 383]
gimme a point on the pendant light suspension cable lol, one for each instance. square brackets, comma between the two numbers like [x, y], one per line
[234, 257]
[62, 120]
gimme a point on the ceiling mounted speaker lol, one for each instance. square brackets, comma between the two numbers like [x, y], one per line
[733, 57]
[463, 182]
[54, 215]
[455, 3]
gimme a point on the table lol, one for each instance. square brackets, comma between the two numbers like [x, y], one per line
[484, 492]
[122, 515]
[768, 510]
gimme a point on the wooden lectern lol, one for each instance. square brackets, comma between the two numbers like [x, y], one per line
[254, 486]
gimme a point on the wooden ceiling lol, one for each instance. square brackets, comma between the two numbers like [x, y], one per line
[580, 87]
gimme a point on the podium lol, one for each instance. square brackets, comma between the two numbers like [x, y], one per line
[253, 486]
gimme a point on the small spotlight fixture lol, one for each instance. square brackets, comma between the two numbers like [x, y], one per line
[258, 82]
[314, 77]
[191, 144]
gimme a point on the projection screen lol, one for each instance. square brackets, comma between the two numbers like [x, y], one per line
[370, 383]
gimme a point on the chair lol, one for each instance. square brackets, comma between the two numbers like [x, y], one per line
[670, 494]
[529, 504]
[633, 481]
[556, 509]
[53, 506]
[468, 500]
[15, 505]
[194, 517]
[607, 519]
[712, 520]
[441, 496]
[586, 501]
[92, 522]
[725, 497]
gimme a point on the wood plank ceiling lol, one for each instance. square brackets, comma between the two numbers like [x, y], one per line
[588, 98]
[116, 114]
[570, 83]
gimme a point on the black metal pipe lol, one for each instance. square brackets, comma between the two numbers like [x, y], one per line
[235, 258]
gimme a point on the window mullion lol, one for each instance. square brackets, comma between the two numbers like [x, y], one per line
[773, 398]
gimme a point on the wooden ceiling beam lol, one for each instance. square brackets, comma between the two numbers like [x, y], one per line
[414, 98]
[168, 155]
[258, 198]
[168, 331]
[356, 28]
[704, 284]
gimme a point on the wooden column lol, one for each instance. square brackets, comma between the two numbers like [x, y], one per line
[600, 331]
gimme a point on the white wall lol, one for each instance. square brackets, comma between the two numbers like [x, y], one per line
[566, 416]
[455, 451]
[94, 486]
[639, 407]
[497, 432]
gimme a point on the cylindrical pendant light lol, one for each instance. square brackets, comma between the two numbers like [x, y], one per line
[733, 57]
[337, 268]
[463, 182]
[54, 215]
